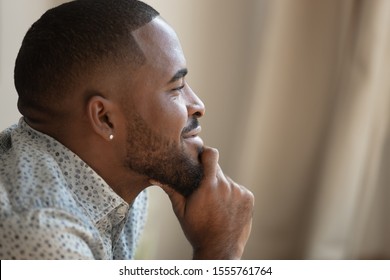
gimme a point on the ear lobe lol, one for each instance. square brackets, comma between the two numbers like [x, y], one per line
[101, 116]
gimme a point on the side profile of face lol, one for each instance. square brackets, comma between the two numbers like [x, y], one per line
[162, 113]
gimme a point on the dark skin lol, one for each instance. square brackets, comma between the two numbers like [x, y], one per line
[217, 217]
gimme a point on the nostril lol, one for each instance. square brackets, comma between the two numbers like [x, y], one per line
[198, 114]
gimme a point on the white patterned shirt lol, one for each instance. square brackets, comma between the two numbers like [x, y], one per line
[54, 206]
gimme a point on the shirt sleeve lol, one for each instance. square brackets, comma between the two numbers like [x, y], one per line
[44, 234]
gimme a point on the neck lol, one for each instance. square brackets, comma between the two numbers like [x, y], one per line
[102, 156]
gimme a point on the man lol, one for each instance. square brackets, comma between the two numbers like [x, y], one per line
[106, 113]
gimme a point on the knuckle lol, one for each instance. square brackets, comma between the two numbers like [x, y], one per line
[251, 197]
[248, 197]
[213, 152]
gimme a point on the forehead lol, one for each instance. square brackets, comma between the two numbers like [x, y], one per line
[161, 47]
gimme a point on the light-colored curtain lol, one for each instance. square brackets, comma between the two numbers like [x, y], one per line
[317, 140]
[351, 214]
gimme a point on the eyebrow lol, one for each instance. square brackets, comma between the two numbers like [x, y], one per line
[179, 74]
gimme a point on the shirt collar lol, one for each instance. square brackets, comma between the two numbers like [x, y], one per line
[97, 198]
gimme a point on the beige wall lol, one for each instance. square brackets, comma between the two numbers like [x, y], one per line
[15, 18]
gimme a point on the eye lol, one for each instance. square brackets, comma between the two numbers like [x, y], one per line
[178, 88]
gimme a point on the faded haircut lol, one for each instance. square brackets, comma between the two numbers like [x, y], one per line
[69, 41]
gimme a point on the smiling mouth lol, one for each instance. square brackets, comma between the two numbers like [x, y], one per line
[193, 133]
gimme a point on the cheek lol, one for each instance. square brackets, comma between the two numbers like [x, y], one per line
[168, 117]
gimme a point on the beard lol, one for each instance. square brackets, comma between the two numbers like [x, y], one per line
[162, 159]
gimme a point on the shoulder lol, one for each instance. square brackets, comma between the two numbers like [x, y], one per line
[5, 139]
[45, 234]
[30, 176]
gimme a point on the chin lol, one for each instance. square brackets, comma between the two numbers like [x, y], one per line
[194, 148]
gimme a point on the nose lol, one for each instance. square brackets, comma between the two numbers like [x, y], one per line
[195, 106]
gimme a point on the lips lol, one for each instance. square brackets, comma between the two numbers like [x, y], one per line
[193, 133]
[192, 138]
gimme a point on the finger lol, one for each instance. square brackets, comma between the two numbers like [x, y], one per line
[209, 159]
[243, 190]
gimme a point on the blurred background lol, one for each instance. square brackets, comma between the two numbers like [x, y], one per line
[297, 96]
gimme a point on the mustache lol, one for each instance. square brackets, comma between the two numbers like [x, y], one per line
[193, 124]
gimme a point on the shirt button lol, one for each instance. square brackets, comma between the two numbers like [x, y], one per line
[122, 210]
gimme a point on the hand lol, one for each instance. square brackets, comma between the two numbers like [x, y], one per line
[217, 217]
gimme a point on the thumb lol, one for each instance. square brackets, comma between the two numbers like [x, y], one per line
[178, 200]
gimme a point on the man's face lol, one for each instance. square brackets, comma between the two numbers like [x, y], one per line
[162, 118]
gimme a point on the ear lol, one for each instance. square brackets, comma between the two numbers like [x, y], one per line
[101, 114]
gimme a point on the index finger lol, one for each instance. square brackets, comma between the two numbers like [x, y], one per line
[209, 158]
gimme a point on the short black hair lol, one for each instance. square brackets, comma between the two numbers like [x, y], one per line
[73, 38]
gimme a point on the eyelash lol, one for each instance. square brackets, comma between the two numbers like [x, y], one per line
[179, 88]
